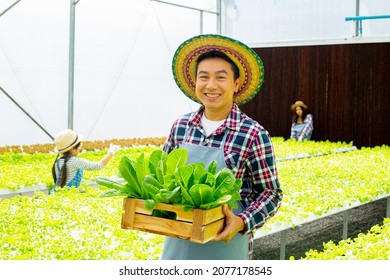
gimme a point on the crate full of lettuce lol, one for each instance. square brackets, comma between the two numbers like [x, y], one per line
[164, 195]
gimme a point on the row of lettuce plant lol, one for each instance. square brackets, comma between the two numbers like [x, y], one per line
[23, 170]
[317, 186]
[87, 145]
[70, 225]
[373, 245]
[50, 227]
[329, 182]
[341, 173]
[313, 186]
[286, 149]
[19, 169]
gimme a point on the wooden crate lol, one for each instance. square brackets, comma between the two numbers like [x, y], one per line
[197, 225]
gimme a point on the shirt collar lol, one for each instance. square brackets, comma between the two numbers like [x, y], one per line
[232, 121]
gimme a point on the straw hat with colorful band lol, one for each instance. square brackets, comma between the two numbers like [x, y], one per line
[66, 140]
[298, 104]
[248, 62]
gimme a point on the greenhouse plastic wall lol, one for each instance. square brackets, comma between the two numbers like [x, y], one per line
[123, 85]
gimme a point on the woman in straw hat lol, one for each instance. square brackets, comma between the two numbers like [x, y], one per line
[68, 169]
[302, 122]
[221, 73]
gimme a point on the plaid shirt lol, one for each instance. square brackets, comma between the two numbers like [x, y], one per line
[248, 153]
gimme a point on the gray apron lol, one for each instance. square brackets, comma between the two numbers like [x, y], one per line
[181, 249]
[298, 128]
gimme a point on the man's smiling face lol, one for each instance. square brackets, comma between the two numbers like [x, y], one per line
[215, 87]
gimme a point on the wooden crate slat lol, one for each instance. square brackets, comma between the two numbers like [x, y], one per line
[163, 226]
[196, 225]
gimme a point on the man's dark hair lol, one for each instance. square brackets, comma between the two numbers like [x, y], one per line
[219, 54]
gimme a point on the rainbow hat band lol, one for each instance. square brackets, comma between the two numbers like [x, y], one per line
[247, 60]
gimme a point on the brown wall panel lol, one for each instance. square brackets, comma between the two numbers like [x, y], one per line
[347, 88]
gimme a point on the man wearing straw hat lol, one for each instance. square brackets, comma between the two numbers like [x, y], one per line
[221, 73]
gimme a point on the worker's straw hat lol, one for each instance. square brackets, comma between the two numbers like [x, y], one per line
[66, 140]
[298, 104]
[251, 70]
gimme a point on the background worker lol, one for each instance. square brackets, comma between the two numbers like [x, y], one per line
[302, 122]
[68, 168]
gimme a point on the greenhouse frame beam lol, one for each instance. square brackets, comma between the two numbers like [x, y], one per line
[72, 24]
[10, 7]
[27, 114]
[201, 11]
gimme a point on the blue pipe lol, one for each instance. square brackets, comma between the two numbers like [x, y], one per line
[366, 17]
[361, 18]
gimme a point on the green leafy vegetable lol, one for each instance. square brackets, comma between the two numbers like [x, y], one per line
[128, 172]
[176, 158]
[213, 167]
[166, 178]
[201, 194]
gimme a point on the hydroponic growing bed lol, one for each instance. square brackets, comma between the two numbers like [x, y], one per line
[50, 227]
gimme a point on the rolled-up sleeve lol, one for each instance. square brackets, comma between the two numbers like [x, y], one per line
[308, 129]
[263, 193]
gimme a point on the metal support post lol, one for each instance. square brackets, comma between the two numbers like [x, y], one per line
[71, 62]
[358, 23]
[345, 224]
[283, 244]
[219, 17]
[201, 22]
